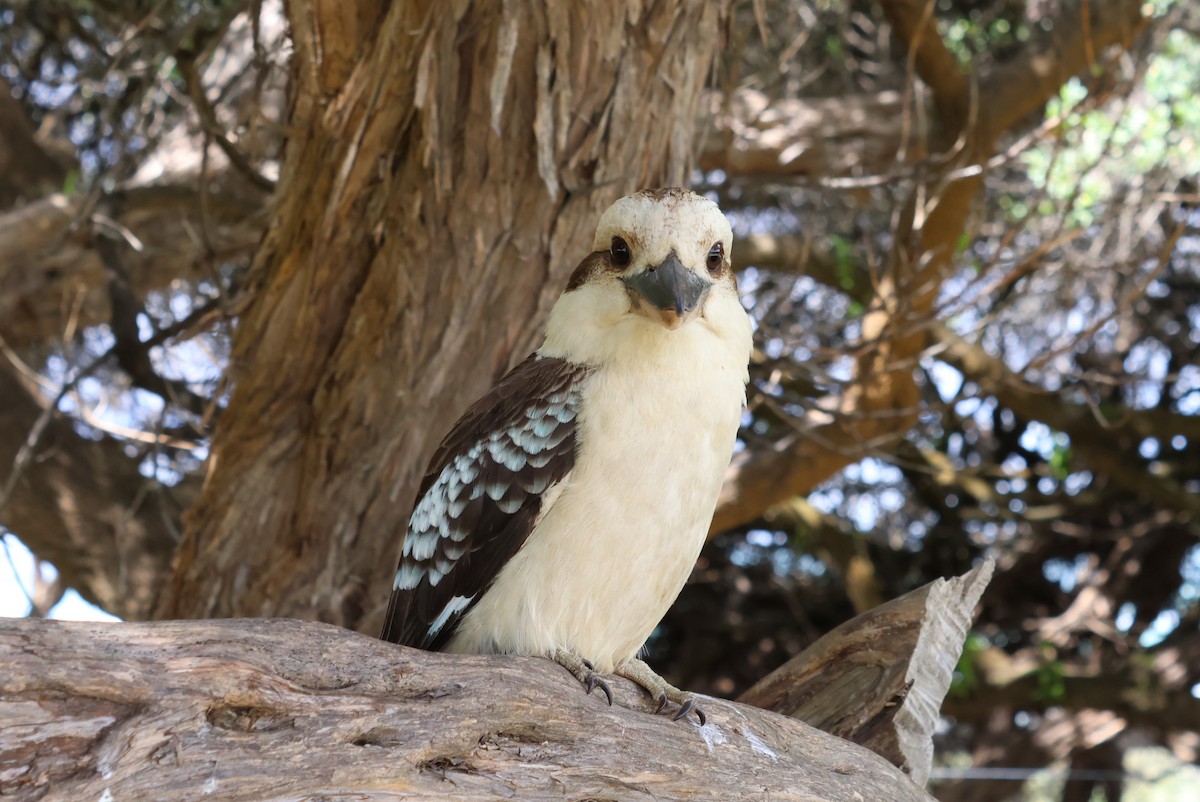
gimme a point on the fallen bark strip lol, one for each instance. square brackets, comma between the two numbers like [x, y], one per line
[879, 679]
[281, 710]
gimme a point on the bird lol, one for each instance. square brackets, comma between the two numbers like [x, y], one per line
[564, 511]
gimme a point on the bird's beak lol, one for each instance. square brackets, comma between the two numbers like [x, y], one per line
[669, 289]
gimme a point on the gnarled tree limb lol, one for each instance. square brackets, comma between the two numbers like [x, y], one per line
[278, 709]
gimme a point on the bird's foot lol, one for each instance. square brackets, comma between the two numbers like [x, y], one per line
[638, 672]
[583, 671]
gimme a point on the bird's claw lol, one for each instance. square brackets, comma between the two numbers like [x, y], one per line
[594, 682]
[583, 670]
[662, 691]
[638, 672]
[689, 706]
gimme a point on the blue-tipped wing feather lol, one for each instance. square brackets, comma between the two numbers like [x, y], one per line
[481, 496]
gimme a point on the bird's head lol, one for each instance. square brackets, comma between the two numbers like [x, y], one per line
[666, 249]
[659, 270]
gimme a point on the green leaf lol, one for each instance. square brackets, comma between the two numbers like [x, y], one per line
[1051, 683]
[1060, 460]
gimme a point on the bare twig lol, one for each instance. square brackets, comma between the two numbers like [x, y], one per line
[208, 119]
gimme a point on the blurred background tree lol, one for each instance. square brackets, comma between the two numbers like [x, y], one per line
[253, 261]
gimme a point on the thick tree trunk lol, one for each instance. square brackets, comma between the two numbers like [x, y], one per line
[449, 163]
[282, 710]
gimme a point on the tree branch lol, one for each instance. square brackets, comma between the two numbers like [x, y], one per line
[231, 708]
[46, 256]
[881, 403]
[82, 505]
[754, 134]
[879, 679]
[1137, 694]
[836, 544]
[1091, 438]
[1023, 84]
[795, 255]
[131, 353]
[915, 24]
[27, 169]
[208, 119]
[865, 135]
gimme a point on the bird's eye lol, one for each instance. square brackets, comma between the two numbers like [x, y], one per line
[716, 258]
[620, 252]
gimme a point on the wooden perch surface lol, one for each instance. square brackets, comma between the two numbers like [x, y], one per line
[287, 710]
[879, 679]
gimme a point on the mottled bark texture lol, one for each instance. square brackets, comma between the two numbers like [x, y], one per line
[448, 163]
[284, 710]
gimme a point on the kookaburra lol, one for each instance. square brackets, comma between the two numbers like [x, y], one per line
[563, 513]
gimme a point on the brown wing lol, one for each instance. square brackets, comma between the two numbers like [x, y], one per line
[481, 496]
